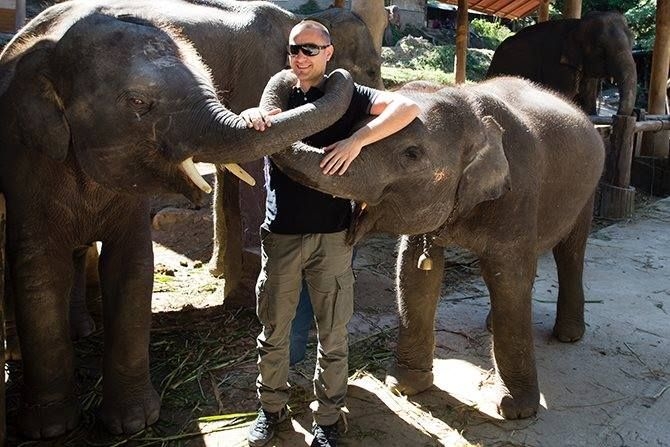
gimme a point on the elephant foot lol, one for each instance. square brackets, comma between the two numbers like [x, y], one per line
[130, 411]
[402, 380]
[49, 419]
[569, 331]
[520, 404]
[81, 326]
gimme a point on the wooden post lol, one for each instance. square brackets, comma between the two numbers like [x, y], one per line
[462, 31]
[617, 198]
[543, 11]
[3, 220]
[623, 130]
[656, 144]
[572, 9]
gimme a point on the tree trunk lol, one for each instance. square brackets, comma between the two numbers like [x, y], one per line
[373, 13]
[656, 144]
[462, 31]
[572, 9]
[543, 11]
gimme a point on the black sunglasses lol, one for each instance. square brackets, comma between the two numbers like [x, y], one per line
[308, 49]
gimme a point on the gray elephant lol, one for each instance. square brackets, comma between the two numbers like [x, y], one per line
[244, 44]
[571, 56]
[505, 169]
[99, 110]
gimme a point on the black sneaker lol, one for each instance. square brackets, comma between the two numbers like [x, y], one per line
[324, 435]
[263, 428]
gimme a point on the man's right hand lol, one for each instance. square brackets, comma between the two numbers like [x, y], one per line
[257, 118]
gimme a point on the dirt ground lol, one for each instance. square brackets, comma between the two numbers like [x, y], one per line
[609, 389]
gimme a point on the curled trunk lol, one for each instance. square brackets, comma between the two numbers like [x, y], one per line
[225, 138]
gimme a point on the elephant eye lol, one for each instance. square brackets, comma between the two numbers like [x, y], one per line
[412, 153]
[138, 105]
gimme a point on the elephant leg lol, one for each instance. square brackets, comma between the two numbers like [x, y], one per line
[418, 294]
[569, 257]
[227, 249]
[12, 345]
[42, 277]
[510, 283]
[81, 322]
[129, 401]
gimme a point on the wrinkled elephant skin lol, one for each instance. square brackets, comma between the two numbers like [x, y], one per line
[504, 169]
[102, 107]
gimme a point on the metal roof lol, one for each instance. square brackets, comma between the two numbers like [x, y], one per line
[509, 9]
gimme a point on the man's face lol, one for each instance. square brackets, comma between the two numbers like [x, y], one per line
[309, 69]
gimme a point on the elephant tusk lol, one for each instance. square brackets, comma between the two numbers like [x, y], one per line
[240, 173]
[189, 169]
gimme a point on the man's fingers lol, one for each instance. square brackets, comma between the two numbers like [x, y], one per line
[326, 160]
[345, 166]
[333, 166]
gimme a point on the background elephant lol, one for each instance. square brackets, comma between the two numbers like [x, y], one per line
[571, 56]
[504, 169]
[100, 109]
[243, 44]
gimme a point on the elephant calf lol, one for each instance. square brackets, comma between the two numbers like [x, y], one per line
[504, 169]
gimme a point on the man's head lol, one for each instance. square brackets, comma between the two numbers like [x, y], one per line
[309, 52]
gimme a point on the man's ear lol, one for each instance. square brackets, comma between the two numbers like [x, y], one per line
[39, 109]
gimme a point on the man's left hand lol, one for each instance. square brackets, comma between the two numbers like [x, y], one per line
[339, 156]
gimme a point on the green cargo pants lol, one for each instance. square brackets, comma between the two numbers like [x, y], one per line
[325, 262]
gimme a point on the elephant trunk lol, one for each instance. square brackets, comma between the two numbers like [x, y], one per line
[301, 163]
[625, 76]
[224, 137]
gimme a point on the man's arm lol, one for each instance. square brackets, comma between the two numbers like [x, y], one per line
[392, 112]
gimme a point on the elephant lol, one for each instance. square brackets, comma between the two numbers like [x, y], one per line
[100, 110]
[506, 169]
[243, 44]
[571, 56]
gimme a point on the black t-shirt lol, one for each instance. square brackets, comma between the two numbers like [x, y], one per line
[292, 208]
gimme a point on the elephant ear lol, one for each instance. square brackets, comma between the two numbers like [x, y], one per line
[486, 176]
[39, 109]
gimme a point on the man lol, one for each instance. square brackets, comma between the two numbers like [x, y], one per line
[303, 237]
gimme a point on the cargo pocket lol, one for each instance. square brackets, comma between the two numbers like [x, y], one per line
[273, 293]
[343, 307]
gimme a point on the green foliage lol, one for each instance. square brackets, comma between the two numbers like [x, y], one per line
[491, 32]
[395, 77]
[419, 54]
[642, 21]
[309, 7]
[601, 5]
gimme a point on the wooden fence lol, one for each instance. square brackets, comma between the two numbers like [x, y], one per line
[616, 198]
